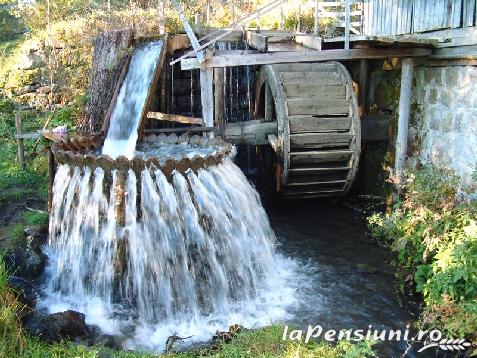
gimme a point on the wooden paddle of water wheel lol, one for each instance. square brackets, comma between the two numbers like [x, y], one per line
[318, 139]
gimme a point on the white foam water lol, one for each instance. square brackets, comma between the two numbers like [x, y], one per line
[196, 253]
[126, 115]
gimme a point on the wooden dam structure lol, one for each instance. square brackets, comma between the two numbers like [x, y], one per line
[310, 105]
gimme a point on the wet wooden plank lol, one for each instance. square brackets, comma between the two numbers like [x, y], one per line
[320, 140]
[320, 156]
[313, 90]
[321, 78]
[174, 118]
[297, 106]
[305, 56]
[301, 124]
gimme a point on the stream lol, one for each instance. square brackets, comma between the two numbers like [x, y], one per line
[344, 281]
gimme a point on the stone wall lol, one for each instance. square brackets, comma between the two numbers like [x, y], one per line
[445, 118]
[443, 125]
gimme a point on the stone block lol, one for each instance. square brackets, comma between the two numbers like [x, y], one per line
[459, 121]
[452, 75]
[445, 124]
[433, 75]
[446, 97]
[432, 95]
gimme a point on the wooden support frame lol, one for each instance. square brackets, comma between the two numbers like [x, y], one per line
[174, 118]
[193, 40]
[222, 33]
[257, 41]
[306, 56]
[313, 42]
[363, 86]
[219, 94]
[403, 117]
[347, 23]
[268, 103]
[207, 95]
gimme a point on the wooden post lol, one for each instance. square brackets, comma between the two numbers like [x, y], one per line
[219, 98]
[268, 103]
[403, 117]
[197, 22]
[363, 86]
[207, 95]
[347, 23]
[316, 18]
[51, 176]
[21, 148]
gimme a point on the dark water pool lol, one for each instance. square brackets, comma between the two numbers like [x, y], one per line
[349, 280]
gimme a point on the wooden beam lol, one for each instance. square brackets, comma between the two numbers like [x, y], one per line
[219, 94]
[306, 56]
[193, 40]
[257, 41]
[207, 95]
[313, 42]
[464, 52]
[363, 86]
[180, 130]
[403, 117]
[347, 23]
[174, 118]
[254, 132]
[268, 103]
[219, 34]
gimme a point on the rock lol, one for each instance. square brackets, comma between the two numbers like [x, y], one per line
[25, 263]
[55, 327]
[25, 293]
[26, 89]
[37, 236]
[108, 341]
[44, 89]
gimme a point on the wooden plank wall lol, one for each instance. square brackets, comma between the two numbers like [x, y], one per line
[397, 17]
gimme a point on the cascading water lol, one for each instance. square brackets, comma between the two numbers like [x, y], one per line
[195, 255]
[172, 241]
[126, 115]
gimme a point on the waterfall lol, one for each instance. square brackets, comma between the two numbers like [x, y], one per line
[146, 254]
[126, 114]
[190, 254]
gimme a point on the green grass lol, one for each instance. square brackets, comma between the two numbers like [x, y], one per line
[33, 218]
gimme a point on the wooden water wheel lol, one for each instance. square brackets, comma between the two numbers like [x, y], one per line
[319, 134]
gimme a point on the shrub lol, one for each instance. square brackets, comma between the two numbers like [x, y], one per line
[435, 239]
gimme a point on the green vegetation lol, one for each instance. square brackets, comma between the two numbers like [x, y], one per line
[435, 238]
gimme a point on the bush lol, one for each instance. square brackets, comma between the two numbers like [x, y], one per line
[435, 239]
